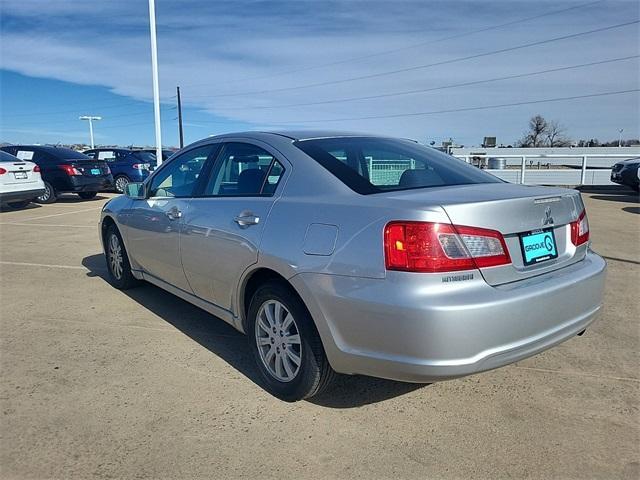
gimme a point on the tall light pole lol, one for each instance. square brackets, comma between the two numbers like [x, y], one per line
[154, 72]
[620, 137]
[91, 119]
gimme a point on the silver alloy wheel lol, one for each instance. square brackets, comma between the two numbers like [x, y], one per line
[278, 341]
[46, 195]
[115, 256]
[121, 184]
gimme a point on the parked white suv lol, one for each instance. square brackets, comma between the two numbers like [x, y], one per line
[20, 181]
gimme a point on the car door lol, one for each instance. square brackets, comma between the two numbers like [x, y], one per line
[154, 223]
[223, 226]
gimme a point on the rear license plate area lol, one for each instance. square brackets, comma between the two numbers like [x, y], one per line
[538, 246]
[95, 171]
[20, 175]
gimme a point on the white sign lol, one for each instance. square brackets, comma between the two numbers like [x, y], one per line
[106, 155]
[24, 155]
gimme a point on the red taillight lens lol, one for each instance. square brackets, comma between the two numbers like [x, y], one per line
[70, 170]
[2, 171]
[441, 247]
[36, 168]
[580, 229]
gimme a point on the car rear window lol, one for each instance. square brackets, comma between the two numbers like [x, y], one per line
[373, 165]
[145, 156]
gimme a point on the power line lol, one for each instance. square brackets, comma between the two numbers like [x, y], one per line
[431, 89]
[420, 67]
[399, 49]
[463, 109]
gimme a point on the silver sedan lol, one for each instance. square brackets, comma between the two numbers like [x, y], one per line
[359, 255]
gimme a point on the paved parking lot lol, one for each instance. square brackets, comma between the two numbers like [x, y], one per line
[139, 384]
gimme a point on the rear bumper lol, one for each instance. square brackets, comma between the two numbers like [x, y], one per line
[95, 184]
[21, 195]
[400, 329]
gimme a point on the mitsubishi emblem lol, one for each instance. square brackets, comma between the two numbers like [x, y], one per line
[548, 219]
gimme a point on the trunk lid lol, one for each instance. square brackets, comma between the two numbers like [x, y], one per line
[90, 168]
[18, 172]
[512, 210]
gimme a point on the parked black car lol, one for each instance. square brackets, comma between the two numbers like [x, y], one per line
[65, 171]
[625, 172]
[126, 165]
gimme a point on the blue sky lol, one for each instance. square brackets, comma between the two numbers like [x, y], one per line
[249, 64]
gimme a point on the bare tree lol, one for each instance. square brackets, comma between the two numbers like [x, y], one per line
[542, 133]
[535, 137]
[556, 135]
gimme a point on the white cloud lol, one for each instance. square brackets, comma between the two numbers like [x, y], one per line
[229, 47]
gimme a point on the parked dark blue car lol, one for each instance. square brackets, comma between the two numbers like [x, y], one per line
[126, 165]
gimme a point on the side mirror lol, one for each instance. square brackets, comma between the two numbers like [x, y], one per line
[135, 190]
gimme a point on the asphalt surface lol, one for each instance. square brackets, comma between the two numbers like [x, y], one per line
[98, 383]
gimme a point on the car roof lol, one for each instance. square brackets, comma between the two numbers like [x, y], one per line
[301, 134]
[44, 148]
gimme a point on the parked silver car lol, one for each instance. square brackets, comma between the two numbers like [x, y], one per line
[359, 255]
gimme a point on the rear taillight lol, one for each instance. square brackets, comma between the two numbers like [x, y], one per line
[70, 170]
[141, 166]
[107, 170]
[580, 229]
[2, 171]
[441, 247]
[36, 168]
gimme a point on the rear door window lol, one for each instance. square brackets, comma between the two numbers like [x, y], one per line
[243, 169]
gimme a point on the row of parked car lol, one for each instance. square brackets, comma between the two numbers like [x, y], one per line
[41, 173]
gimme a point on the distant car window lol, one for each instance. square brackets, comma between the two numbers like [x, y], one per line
[180, 177]
[7, 157]
[144, 157]
[90, 154]
[373, 165]
[244, 169]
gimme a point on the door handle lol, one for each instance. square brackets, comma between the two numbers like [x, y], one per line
[174, 214]
[246, 219]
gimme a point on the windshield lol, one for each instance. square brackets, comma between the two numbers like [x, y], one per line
[374, 165]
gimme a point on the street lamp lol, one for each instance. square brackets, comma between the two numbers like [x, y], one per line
[620, 137]
[91, 119]
[154, 73]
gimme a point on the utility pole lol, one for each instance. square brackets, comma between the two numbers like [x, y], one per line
[180, 119]
[156, 84]
[90, 119]
[620, 137]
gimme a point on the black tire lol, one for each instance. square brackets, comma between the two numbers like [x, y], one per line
[87, 195]
[49, 195]
[121, 279]
[314, 374]
[120, 183]
[21, 204]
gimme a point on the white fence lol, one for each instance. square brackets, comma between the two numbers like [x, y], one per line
[536, 169]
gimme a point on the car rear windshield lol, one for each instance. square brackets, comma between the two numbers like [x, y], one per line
[375, 165]
[67, 154]
[145, 156]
